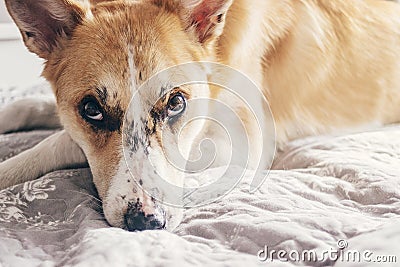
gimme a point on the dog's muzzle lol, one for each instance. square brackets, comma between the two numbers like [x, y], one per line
[137, 220]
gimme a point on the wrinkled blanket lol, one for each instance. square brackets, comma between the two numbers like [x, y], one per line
[337, 194]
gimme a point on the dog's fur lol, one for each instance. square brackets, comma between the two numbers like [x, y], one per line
[323, 65]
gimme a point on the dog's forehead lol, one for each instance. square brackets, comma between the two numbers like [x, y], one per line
[133, 33]
[117, 50]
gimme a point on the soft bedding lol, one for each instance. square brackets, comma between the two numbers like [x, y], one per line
[325, 194]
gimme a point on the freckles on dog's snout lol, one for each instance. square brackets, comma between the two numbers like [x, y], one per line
[136, 219]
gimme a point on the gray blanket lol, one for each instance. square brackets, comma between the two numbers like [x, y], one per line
[326, 193]
[42, 219]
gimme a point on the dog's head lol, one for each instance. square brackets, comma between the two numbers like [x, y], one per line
[97, 58]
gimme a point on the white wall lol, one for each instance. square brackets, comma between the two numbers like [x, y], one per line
[4, 17]
[18, 66]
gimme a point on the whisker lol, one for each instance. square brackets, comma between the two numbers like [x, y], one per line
[88, 195]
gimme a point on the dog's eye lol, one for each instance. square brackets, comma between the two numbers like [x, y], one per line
[176, 105]
[93, 111]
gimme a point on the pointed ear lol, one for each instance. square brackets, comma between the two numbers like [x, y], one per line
[44, 23]
[206, 18]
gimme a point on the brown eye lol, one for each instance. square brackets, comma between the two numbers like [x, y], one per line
[92, 111]
[176, 105]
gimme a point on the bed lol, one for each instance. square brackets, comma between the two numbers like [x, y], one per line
[329, 193]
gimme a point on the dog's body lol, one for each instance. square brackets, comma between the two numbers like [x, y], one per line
[323, 65]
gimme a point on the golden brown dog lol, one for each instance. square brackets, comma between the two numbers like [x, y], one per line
[323, 66]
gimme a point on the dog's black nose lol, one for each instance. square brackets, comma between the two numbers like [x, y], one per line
[137, 220]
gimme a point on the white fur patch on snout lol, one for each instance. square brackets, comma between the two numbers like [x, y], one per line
[124, 189]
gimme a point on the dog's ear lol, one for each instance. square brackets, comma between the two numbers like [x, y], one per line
[45, 23]
[205, 18]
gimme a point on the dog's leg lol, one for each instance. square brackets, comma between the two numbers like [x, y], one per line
[56, 152]
[28, 114]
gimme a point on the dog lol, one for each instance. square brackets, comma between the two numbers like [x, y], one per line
[322, 65]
